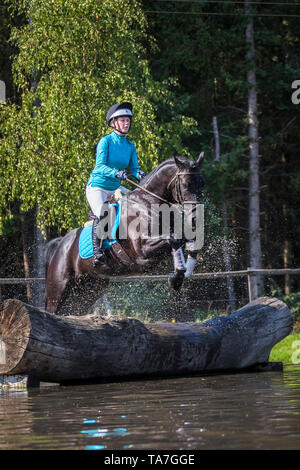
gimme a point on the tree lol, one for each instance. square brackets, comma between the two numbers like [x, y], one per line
[255, 255]
[84, 55]
[206, 52]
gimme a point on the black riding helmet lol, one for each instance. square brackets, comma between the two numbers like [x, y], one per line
[118, 110]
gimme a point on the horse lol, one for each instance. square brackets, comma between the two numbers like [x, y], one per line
[73, 284]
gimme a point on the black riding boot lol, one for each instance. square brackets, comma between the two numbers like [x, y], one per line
[98, 252]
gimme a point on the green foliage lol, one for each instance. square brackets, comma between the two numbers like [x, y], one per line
[283, 351]
[147, 301]
[222, 177]
[292, 300]
[154, 302]
[76, 58]
[207, 54]
[179, 71]
[202, 316]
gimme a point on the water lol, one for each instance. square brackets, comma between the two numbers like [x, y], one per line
[230, 411]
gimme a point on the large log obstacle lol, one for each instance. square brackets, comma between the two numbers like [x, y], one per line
[62, 349]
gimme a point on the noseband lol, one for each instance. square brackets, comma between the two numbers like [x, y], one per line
[178, 192]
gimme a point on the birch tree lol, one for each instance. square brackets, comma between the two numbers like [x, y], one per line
[255, 254]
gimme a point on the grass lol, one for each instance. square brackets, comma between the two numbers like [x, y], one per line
[287, 350]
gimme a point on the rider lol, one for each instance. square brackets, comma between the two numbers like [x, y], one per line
[114, 154]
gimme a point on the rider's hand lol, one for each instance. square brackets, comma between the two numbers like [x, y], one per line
[141, 174]
[121, 174]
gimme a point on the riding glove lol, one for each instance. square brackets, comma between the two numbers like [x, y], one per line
[121, 174]
[142, 174]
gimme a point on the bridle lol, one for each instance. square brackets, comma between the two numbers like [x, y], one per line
[178, 192]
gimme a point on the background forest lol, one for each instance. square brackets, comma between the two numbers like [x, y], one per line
[206, 76]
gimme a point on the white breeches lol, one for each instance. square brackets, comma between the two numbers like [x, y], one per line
[96, 197]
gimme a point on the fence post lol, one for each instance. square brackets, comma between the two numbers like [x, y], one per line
[252, 285]
[249, 286]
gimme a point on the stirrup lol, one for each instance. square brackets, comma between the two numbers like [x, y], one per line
[99, 256]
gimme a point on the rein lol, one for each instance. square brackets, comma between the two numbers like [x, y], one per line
[178, 192]
[147, 191]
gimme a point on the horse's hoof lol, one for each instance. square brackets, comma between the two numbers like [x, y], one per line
[176, 279]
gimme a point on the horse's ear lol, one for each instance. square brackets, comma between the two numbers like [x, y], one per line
[179, 164]
[200, 158]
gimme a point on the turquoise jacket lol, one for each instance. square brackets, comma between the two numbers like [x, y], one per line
[114, 152]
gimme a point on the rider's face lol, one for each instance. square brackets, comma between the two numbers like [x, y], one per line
[122, 124]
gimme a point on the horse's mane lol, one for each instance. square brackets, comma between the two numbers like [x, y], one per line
[160, 166]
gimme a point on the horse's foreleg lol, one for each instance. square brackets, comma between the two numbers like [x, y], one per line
[150, 246]
[191, 263]
[176, 279]
[178, 260]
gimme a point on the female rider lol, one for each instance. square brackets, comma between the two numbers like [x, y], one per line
[114, 154]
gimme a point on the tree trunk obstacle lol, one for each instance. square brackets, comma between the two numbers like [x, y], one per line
[70, 348]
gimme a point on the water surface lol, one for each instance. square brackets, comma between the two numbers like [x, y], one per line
[230, 411]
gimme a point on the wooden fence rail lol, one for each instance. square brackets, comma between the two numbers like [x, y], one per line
[164, 277]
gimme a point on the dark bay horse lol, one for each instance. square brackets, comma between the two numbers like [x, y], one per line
[73, 284]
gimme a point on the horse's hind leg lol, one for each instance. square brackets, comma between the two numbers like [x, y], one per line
[55, 287]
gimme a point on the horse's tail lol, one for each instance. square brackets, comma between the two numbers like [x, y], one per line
[49, 251]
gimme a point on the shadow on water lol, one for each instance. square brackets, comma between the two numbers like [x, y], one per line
[230, 411]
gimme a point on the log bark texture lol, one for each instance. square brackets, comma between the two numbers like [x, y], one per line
[58, 349]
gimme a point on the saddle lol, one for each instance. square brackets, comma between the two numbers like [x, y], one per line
[116, 255]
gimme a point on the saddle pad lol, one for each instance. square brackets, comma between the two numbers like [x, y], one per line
[85, 243]
[85, 239]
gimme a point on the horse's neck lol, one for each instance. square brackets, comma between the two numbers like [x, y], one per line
[157, 182]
